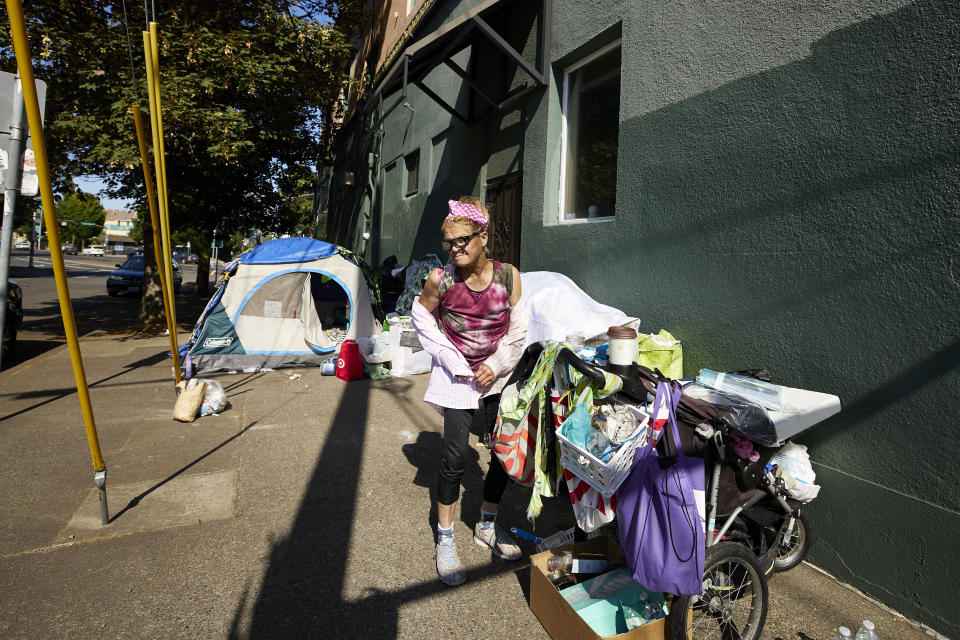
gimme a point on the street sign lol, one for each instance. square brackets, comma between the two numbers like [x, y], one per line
[30, 185]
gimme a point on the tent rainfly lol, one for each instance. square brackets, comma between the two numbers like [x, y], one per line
[276, 306]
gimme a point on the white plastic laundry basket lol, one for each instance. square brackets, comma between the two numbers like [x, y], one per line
[605, 477]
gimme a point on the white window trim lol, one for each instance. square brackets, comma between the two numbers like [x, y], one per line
[564, 124]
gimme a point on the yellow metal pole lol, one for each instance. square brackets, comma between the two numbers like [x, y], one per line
[21, 47]
[166, 264]
[165, 211]
[155, 223]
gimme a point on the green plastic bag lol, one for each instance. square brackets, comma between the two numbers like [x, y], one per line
[661, 351]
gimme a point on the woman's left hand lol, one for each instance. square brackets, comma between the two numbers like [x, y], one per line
[484, 376]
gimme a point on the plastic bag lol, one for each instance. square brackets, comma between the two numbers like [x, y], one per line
[661, 351]
[745, 418]
[214, 397]
[795, 459]
[407, 357]
[577, 428]
[376, 350]
[590, 508]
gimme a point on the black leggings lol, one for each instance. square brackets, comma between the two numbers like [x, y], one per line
[456, 447]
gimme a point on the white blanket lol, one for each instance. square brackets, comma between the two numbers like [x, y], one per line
[557, 308]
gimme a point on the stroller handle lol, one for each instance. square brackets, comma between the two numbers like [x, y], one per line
[577, 363]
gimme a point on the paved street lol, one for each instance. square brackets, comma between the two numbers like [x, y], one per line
[300, 512]
[94, 310]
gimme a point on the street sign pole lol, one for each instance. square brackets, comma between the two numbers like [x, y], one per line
[11, 189]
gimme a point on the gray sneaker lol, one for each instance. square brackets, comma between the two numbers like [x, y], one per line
[497, 540]
[448, 564]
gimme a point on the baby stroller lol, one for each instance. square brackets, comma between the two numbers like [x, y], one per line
[753, 527]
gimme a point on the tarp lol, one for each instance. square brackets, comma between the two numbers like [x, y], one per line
[286, 250]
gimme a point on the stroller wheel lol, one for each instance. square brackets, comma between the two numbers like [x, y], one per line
[796, 539]
[733, 603]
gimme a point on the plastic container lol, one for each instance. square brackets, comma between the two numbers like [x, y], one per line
[605, 477]
[623, 346]
[768, 396]
[867, 631]
[842, 634]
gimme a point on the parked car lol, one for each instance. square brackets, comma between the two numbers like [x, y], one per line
[20, 243]
[128, 278]
[14, 318]
[93, 250]
[69, 250]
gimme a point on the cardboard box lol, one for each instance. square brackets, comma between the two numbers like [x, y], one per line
[559, 617]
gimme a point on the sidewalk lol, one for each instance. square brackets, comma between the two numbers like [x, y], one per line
[300, 512]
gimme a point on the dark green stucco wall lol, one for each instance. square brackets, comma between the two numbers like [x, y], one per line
[787, 197]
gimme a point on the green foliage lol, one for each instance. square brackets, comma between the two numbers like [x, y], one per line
[24, 212]
[244, 86]
[81, 218]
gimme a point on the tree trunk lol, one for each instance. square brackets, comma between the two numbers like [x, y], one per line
[202, 288]
[152, 316]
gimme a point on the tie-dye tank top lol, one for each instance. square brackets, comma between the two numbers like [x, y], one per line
[475, 321]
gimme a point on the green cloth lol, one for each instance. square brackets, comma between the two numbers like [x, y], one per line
[533, 397]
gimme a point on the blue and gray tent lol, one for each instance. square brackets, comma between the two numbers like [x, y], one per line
[275, 306]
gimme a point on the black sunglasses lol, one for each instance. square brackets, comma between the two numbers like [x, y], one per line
[460, 242]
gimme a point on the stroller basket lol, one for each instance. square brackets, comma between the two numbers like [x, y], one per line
[605, 477]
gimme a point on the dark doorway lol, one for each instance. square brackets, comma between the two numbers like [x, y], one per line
[503, 204]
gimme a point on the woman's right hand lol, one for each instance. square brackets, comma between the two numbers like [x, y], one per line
[484, 376]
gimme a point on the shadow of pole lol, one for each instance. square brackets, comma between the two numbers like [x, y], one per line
[69, 391]
[302, 591]
[136, 499]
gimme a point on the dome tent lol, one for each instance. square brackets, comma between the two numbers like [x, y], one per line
[264, 314]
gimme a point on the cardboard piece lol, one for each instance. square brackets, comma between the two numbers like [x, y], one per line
[560, 619]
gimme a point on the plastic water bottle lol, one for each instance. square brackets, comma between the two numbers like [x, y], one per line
[866, 632]
[651, 610]
[842, 634]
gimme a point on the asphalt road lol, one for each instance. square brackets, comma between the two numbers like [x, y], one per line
[93, 309]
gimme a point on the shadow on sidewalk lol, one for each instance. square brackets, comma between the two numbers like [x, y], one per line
[302, 593]
[57, 394]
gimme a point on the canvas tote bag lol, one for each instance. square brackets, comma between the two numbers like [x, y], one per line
[660, 530]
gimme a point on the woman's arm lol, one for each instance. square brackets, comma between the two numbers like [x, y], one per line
[430, 296]
[436, 343]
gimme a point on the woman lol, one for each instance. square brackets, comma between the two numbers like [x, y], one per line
[469, 319]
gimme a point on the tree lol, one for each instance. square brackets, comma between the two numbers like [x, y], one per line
[26, 210]
[245, 88]
[81, 218]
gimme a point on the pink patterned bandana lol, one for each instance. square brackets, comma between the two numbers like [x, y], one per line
[467, 210]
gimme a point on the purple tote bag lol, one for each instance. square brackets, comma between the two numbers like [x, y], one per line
[660, 531]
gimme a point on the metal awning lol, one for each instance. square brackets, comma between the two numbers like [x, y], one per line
[439, 47]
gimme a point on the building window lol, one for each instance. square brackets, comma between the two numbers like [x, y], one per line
[412, 162]
[591, 122]
[411, 5]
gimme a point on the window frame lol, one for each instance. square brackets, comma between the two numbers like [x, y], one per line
[564, 129]
[406, 174]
